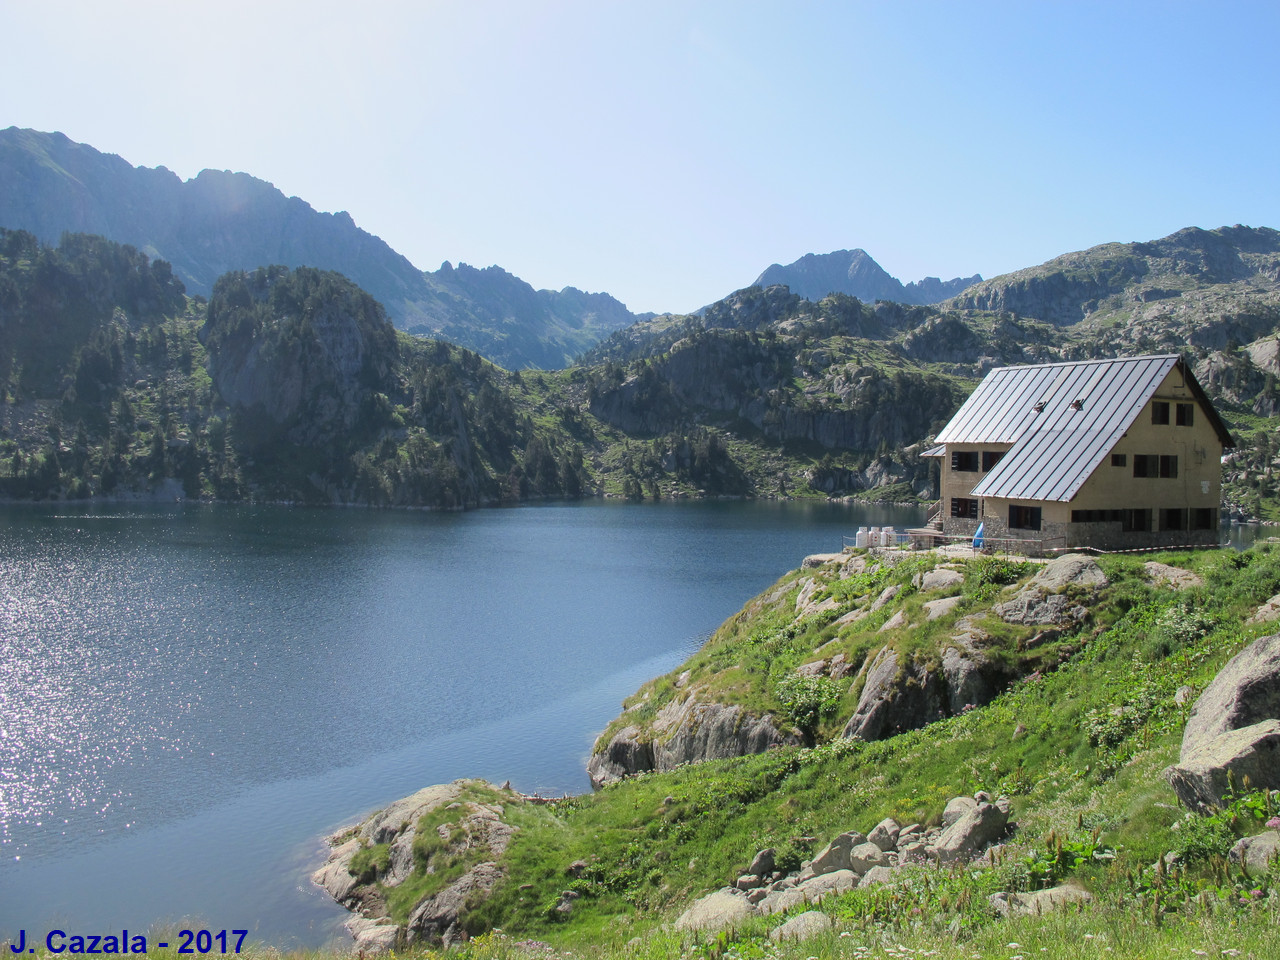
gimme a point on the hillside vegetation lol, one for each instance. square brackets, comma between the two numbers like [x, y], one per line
[1077, 745]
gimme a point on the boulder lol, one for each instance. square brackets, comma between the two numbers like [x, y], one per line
[974, 831]
[812, 890]
[762, 864]
[1245, 691]
[1040, 902]
[802, 927]
[835, 855]
[1200, 777]
[885, 834]
[1267, 612]
[1070, 570]
[865, 856]
[939, 578]
[815, 668]
[1255, 855]
[877, 875]
[937, 609]
[1163, 575]
[1043, 600]
[715, 911]
[837, 881]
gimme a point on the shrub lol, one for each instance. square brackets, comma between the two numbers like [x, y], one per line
[808, 700]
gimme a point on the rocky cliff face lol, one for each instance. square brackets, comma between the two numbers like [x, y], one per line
[848, 406]
[304, 350]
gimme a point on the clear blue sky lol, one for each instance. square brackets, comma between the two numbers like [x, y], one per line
[669, 152]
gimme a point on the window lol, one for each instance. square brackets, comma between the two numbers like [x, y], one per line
[1186, 414]
[990, 458]
[1096, 516]
[1202, 518]
[1150, 465]
[1135, 521]
[1119, 459]
[965, 461]
[1024, 518]
[965, 507]
[1159, 411]
[1173, 518]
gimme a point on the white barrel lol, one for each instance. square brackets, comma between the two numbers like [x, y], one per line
[860, 539]
[873, 537]
[888, 538]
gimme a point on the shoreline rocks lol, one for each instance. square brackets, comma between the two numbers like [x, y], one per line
[471, 829]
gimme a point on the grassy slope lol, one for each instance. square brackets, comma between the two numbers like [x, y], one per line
[1079, 750]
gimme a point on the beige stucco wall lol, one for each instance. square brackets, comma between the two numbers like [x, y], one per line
[955, 483]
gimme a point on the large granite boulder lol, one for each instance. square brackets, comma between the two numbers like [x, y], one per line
[1245, 691]
[1255, 855]
[803, 926]
[1234, 728]
[715, 911]
[1040, 902]
[975, 830]
[1202, 776]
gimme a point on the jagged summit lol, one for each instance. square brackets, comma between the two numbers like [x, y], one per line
[854, 272]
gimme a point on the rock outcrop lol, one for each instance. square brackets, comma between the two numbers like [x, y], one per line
[686, 731]
[897, 697]
[471, 830]
[1053, 596]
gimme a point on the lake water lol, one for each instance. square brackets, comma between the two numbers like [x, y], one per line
[191, 696]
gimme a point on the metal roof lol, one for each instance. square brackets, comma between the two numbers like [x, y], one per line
[1062, 419]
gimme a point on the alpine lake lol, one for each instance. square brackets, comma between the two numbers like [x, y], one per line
[192, 696]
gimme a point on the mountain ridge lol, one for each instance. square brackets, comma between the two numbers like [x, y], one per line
[219, 221]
